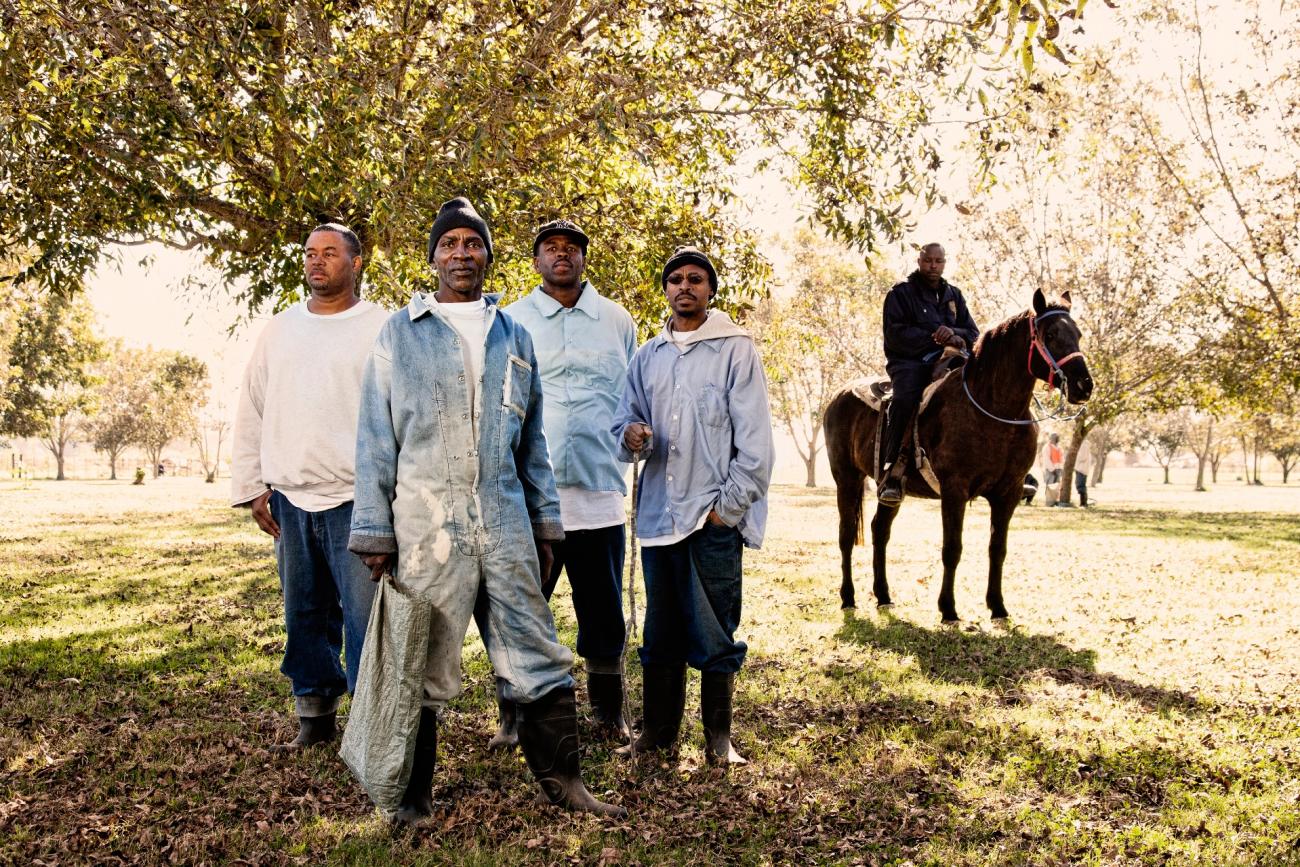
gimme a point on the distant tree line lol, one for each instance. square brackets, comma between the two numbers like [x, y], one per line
[61, 383]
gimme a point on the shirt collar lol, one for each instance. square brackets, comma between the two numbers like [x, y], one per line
[588, 302]
[421, 304]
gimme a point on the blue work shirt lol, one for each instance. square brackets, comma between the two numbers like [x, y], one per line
[583, 352]
[711, 446]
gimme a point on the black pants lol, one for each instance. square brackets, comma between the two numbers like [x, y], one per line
[909, 380]
[1081, 485]
[594, 561]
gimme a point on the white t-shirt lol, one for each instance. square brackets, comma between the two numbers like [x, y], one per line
[469, 318]
[581, 509]
[296, 424]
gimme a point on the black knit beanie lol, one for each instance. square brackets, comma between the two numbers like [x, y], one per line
[458, 214]
[689, 256]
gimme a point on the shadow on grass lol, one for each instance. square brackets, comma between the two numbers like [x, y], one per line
[185, 575]
[1002, 661]
[1249, 529]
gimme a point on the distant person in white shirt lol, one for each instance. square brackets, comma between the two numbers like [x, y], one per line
[1082, 467]
[294, 466]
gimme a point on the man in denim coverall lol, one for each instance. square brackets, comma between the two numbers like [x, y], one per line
[455, 492]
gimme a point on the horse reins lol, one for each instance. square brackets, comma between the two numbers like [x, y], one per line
[1054, 371]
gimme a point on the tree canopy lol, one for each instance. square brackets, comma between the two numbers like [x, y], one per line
[234, 127]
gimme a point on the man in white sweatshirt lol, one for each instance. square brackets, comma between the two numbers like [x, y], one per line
[294, 466]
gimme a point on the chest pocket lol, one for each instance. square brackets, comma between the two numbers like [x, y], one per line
[518, 385]
[713, 406]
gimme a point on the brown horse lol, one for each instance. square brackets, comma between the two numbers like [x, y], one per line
[978, 435]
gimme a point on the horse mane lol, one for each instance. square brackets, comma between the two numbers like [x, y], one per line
[998, 333]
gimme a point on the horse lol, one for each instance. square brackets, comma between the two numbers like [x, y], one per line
[978, 437]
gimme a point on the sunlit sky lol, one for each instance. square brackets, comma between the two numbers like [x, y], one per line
[139, 299]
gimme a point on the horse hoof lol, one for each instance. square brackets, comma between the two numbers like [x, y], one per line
[951, 624]
[885, 607]
[1002, 624]
[848, 606]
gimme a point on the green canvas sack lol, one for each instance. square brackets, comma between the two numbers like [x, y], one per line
[379, 741]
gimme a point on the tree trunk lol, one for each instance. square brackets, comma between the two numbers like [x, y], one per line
[1067, 466]
[58, 460]
[1100, 448]
[1166, 474]
[811, 465]
[1214, 469]
[1204, 455]
[112, 467]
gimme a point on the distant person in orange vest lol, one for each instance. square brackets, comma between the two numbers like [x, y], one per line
[1052, 460]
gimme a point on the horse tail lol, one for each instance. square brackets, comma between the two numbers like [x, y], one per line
[861, 538]
[841, 420]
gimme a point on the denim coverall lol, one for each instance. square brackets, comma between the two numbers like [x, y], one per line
[459, 492]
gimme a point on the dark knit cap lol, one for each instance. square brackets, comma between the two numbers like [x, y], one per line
[458, 214]
[561, 227]
[689, 256]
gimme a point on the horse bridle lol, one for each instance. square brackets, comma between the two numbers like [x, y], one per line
[1036, 343]
[1054, 371]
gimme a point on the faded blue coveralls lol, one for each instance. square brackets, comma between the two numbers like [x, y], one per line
[459, 492]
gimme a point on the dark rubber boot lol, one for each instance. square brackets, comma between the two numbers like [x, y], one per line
[311, 730]
[605, 689]
[715, 710]
[417, 802]
[507, 736]
[662, 705]
[548, 735]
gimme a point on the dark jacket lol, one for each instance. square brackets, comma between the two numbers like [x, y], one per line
[912, 315]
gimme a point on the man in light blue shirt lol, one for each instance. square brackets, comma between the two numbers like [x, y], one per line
[695, 408]
[583, 343]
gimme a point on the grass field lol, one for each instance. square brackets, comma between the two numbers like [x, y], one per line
[1143, 709]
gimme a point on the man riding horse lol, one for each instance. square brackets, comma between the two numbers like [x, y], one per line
[922, 315]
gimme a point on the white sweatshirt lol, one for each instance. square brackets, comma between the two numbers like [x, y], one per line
[296, 427]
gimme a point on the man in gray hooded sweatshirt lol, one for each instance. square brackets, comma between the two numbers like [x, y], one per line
[695, 408]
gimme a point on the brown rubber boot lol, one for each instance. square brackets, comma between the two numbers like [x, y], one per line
[311, 730]
[716, 691]
[548, 735]
[417, 802]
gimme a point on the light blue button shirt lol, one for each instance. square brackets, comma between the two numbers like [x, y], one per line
[711, 446]
[583, 352]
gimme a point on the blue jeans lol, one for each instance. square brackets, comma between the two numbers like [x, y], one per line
[594, 561]
[692, 605]
[327, 595]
